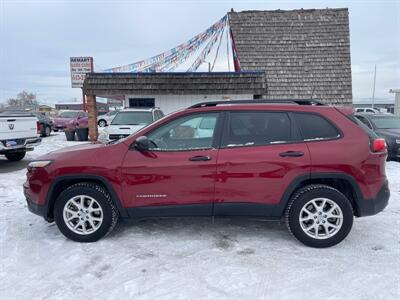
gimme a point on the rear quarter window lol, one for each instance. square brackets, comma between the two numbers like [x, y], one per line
[372, 135]
[315, 127]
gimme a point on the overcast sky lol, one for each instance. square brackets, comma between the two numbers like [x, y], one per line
[38, 37]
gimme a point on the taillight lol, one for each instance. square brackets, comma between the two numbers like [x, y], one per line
[38, 127]
[379, 145]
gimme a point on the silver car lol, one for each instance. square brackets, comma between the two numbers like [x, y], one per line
[105, 120]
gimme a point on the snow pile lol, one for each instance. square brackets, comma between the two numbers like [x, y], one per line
[193, 258]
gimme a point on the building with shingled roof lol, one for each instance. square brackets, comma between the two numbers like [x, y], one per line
[280, 54]
[305, 53]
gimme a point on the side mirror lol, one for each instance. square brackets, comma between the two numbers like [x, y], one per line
[142, 143]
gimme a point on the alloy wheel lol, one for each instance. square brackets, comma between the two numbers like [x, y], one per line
[83, 214]
[321, 218]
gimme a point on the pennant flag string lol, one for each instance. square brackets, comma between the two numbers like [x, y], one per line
[175, 56]
[219, 45]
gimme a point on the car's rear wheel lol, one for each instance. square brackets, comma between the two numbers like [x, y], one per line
[102, 123]
[319, 216]
[47, 131]
[85, 212]
[15, 156]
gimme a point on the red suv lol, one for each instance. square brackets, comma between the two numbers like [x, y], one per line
[314, 166]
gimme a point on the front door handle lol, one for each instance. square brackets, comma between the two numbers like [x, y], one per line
[291, 154]
[200, 158]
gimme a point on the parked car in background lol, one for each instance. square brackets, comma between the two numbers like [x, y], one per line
[129, 121]
[66, 118]
[19, 133]
[367, 110]
[386, 126]
[105, 120]
[46, 124]
[313, 166]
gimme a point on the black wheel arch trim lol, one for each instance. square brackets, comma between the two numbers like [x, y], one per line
[84, 177]
[296, 183]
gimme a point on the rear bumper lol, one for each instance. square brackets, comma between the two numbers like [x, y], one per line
[369, 207]
[394, 152]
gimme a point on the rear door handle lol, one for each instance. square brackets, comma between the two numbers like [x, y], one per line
[291, 154]
[200, 158]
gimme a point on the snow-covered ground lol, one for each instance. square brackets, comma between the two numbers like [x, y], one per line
[192, 258]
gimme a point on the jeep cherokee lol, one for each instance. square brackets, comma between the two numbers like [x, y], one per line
[315, 166]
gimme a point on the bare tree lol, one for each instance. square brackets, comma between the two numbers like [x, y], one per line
[23, 98]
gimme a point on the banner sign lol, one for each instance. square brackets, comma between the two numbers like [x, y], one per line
[80, 66]
[168, 60]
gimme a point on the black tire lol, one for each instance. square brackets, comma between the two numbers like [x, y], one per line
[42, 130]
[70, 135]
[82, 134]
[102, 123]
[47, 131]
[301, 198]
[15, 156]
[110, 213]
[55, 130]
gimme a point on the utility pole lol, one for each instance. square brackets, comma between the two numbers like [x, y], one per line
[373, 91]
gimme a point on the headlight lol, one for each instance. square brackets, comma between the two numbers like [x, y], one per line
[397, 141]
[39, 164]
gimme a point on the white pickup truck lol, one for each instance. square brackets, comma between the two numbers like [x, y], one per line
[19, 133]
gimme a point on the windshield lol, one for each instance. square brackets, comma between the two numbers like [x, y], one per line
[132, 118]
[386, 122]
[68, 114]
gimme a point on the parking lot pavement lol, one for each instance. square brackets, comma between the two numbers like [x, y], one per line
[193, 258]
[7, 166]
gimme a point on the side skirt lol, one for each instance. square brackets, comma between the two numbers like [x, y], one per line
[269, 212]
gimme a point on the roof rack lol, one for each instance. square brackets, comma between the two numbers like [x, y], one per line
[256, 101]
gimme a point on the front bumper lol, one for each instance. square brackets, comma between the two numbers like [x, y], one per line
[33, 206]
[37, 209]
[21, 144]
[59, 127]
[369, 207]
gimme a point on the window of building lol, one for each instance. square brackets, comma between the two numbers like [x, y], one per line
[141, 102]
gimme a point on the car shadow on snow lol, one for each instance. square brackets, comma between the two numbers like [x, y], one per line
[7, 166]
[224, 232]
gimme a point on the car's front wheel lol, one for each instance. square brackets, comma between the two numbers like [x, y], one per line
[319, 216]
[85, 212]
[102, 123]
[15, 156]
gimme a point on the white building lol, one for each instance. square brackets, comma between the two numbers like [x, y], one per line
[174, 91]
[396, 101]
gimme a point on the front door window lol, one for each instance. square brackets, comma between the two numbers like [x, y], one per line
[195, 132]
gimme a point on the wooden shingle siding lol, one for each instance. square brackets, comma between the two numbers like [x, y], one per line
[300, 51]
[175, 83]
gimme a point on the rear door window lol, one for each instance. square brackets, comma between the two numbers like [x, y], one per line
[257, 128]
[314, 127]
